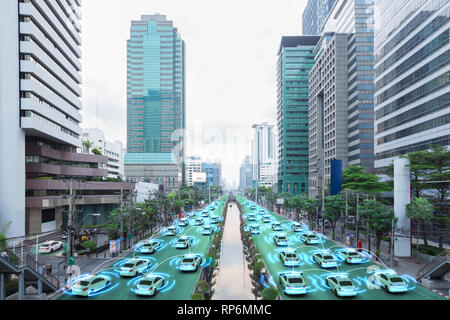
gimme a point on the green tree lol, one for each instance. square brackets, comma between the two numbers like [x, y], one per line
[96, 151]
[270, 293]
[333, 211]
[379, 219]
[436, 162]
[88, 144]
[421, 210]
[297, 202]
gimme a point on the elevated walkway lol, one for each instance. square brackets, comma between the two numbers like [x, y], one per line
[29, 271]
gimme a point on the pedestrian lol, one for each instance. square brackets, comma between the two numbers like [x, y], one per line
[4, 254]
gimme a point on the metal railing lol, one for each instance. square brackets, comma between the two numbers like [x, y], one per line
[27, 260]
[436, 261]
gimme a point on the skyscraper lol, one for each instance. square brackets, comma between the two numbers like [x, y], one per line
[295, 59]
[314, 15]
[412, 76]
[155, 87]
[245, 174]
[264, 154]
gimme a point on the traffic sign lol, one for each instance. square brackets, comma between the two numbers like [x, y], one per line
[129, 236]
[71, 261]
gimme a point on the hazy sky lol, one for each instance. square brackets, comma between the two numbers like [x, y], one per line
[231, 54]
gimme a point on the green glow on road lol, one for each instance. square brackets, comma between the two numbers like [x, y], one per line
[180, 285]
[314, 276]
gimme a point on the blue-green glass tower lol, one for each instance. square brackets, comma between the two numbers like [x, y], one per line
[155, 87]
[295, 60]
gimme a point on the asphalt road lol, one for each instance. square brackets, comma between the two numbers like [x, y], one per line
[179, 285]
[315, 276]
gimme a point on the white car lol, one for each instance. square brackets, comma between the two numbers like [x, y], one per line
[214, 220]
[207, 230]
[289, 258]
[293, 283]
[90, 285]
[276, 226]
[310, 238]
[133, 267]
[325, 259]
[261, 211]
[297, 227]
[251, 217]
[149, 247]
[281, 239]
[190, 262]
[184, 242]
[254, 229]
[341, 285]
[266, 219]
[350, 256]
[205, 214]
[183, 222]
[50, 246]
[391, 281]
[198, 222]
[172, 230]
[149, 285]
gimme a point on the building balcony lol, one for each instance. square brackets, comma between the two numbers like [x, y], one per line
[61, 201]
[35, 150]
[49, 184]
[65, 170]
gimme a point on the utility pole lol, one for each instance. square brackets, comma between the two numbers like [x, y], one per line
[391, 253]
[357, 218]
[69, 249]
[131, 216]
[121, 219]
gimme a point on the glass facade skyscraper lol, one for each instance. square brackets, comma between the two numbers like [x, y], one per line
[155, 87]
[412, 77]
[295, 59]
[314, 16]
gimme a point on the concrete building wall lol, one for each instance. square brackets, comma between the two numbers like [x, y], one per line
[12, 138]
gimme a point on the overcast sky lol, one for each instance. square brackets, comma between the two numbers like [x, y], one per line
[231, 54]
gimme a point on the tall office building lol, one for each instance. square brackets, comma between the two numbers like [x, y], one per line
[295, 59]
[155, 87]
[245, 174]
[337, 76]
[40, 107]
[264, 155]
[193, 166]
[412, 76]
[314, 15]
[213, 172]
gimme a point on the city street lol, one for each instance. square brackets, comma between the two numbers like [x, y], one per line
[315, 276]
[179, 285]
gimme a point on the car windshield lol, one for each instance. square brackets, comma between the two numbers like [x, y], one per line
[182, 240]
[328, 258]
[353, 254]
[148, 245]
[146, 282]
[396, 279]
[312, 236]
[44, 245]
[291, 255]
[346, 283]
[83, 283]
[188, 260]
[128, 265]
[282, 238]
[295, 280]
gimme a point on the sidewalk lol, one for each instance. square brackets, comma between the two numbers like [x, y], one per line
[233, 281]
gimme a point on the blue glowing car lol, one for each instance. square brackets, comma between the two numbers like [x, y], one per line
[266, 219]
[251, 217]
[149, 246]
[190, 262]
[281, 239]
[205, 214]
[298, 227]
[172, 230]
[325, 259]
[289, 258]
[149, 285]
[292, 283]
[183, 222]
[276, 226]
[310, 238]
[391, 281]
[90, 285]
[184, 242]
[350, 256]
[198, 222]
[254, 229]
[214, 220]
[253, 207]
[207, 230]
[133, 267]
[341, 285]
